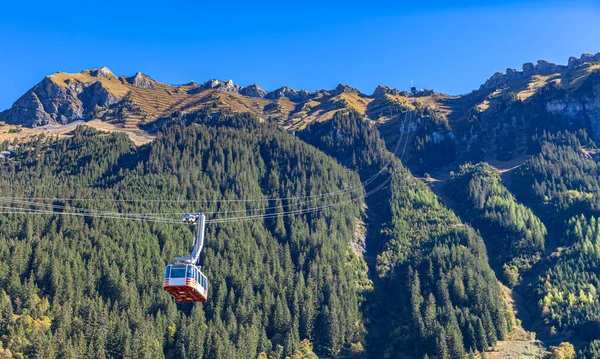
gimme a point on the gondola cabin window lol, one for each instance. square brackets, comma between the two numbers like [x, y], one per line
[178, 272]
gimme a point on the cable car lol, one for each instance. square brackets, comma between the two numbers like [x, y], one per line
[186, 283]
[184, 280]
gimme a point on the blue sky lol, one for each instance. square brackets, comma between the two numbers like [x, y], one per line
[451, 47]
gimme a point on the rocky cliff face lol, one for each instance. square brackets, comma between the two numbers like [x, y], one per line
[579, 108]
[45, 103]
[541, 68]
[52, 101]
[381, 91]
[142, 81]
[253, 91]
[289, 93]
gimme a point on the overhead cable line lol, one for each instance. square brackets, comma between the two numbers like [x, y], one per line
[321, 195]
[152, 218]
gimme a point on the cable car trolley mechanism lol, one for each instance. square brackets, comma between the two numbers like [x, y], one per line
[184, 280]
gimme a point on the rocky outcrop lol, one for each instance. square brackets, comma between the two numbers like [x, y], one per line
[103, 72]
[581, 108]
[584, 59]
[142, 81]
[544, 67]
[96, 95]
[289, 93]
[54, 100]
[341, 88]
[421, 92]
[28, 111]
[46, 102]
[381, 91]
[541, 68]
[225, 86]
[253, 91]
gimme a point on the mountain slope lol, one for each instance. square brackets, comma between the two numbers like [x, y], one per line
[434, 291]
[76, 287]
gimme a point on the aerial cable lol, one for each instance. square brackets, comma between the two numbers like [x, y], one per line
[81, 210]
[146, 217]
[217, 220]
[306, 210]
[301, 211]
[22, 210]
[328, 194]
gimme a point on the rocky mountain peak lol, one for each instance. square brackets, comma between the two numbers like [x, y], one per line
[542, 67]
[253, 91]
[103, 72]
[284, 92]
[585, 58]
[225, 86]
[381, 91]
[341, 88]
[142, 81]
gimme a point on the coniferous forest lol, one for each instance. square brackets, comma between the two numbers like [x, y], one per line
[91, 287]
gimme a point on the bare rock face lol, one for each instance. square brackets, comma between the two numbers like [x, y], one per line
[381, 91]
[229, 86]
[96, 95]
[304, 95]
[27, 110]
[513, 74]
[582, 108]
[528, 69]
[54, 101]
[103, 72]
[225, 86]
[584, 59]
[496, 80]
[281, 93]
[286, 92]
[45, 103]
[253, 91]
[141, 80]
[544, 67]
[422, 92]
[541, 68]
[341, 88]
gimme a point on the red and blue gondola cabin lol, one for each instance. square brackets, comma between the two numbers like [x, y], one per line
[186, 283]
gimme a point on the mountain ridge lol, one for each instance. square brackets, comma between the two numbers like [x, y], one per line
[98, 93]
[476, 125]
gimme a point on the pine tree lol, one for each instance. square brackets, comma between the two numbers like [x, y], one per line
[416, 300]
[481, 336]
[471, 355]
[441, 346]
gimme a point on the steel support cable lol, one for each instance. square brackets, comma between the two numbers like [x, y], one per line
[302, 211]
[218, 220]
[362, 184]
[144, 217]
[91, 215]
